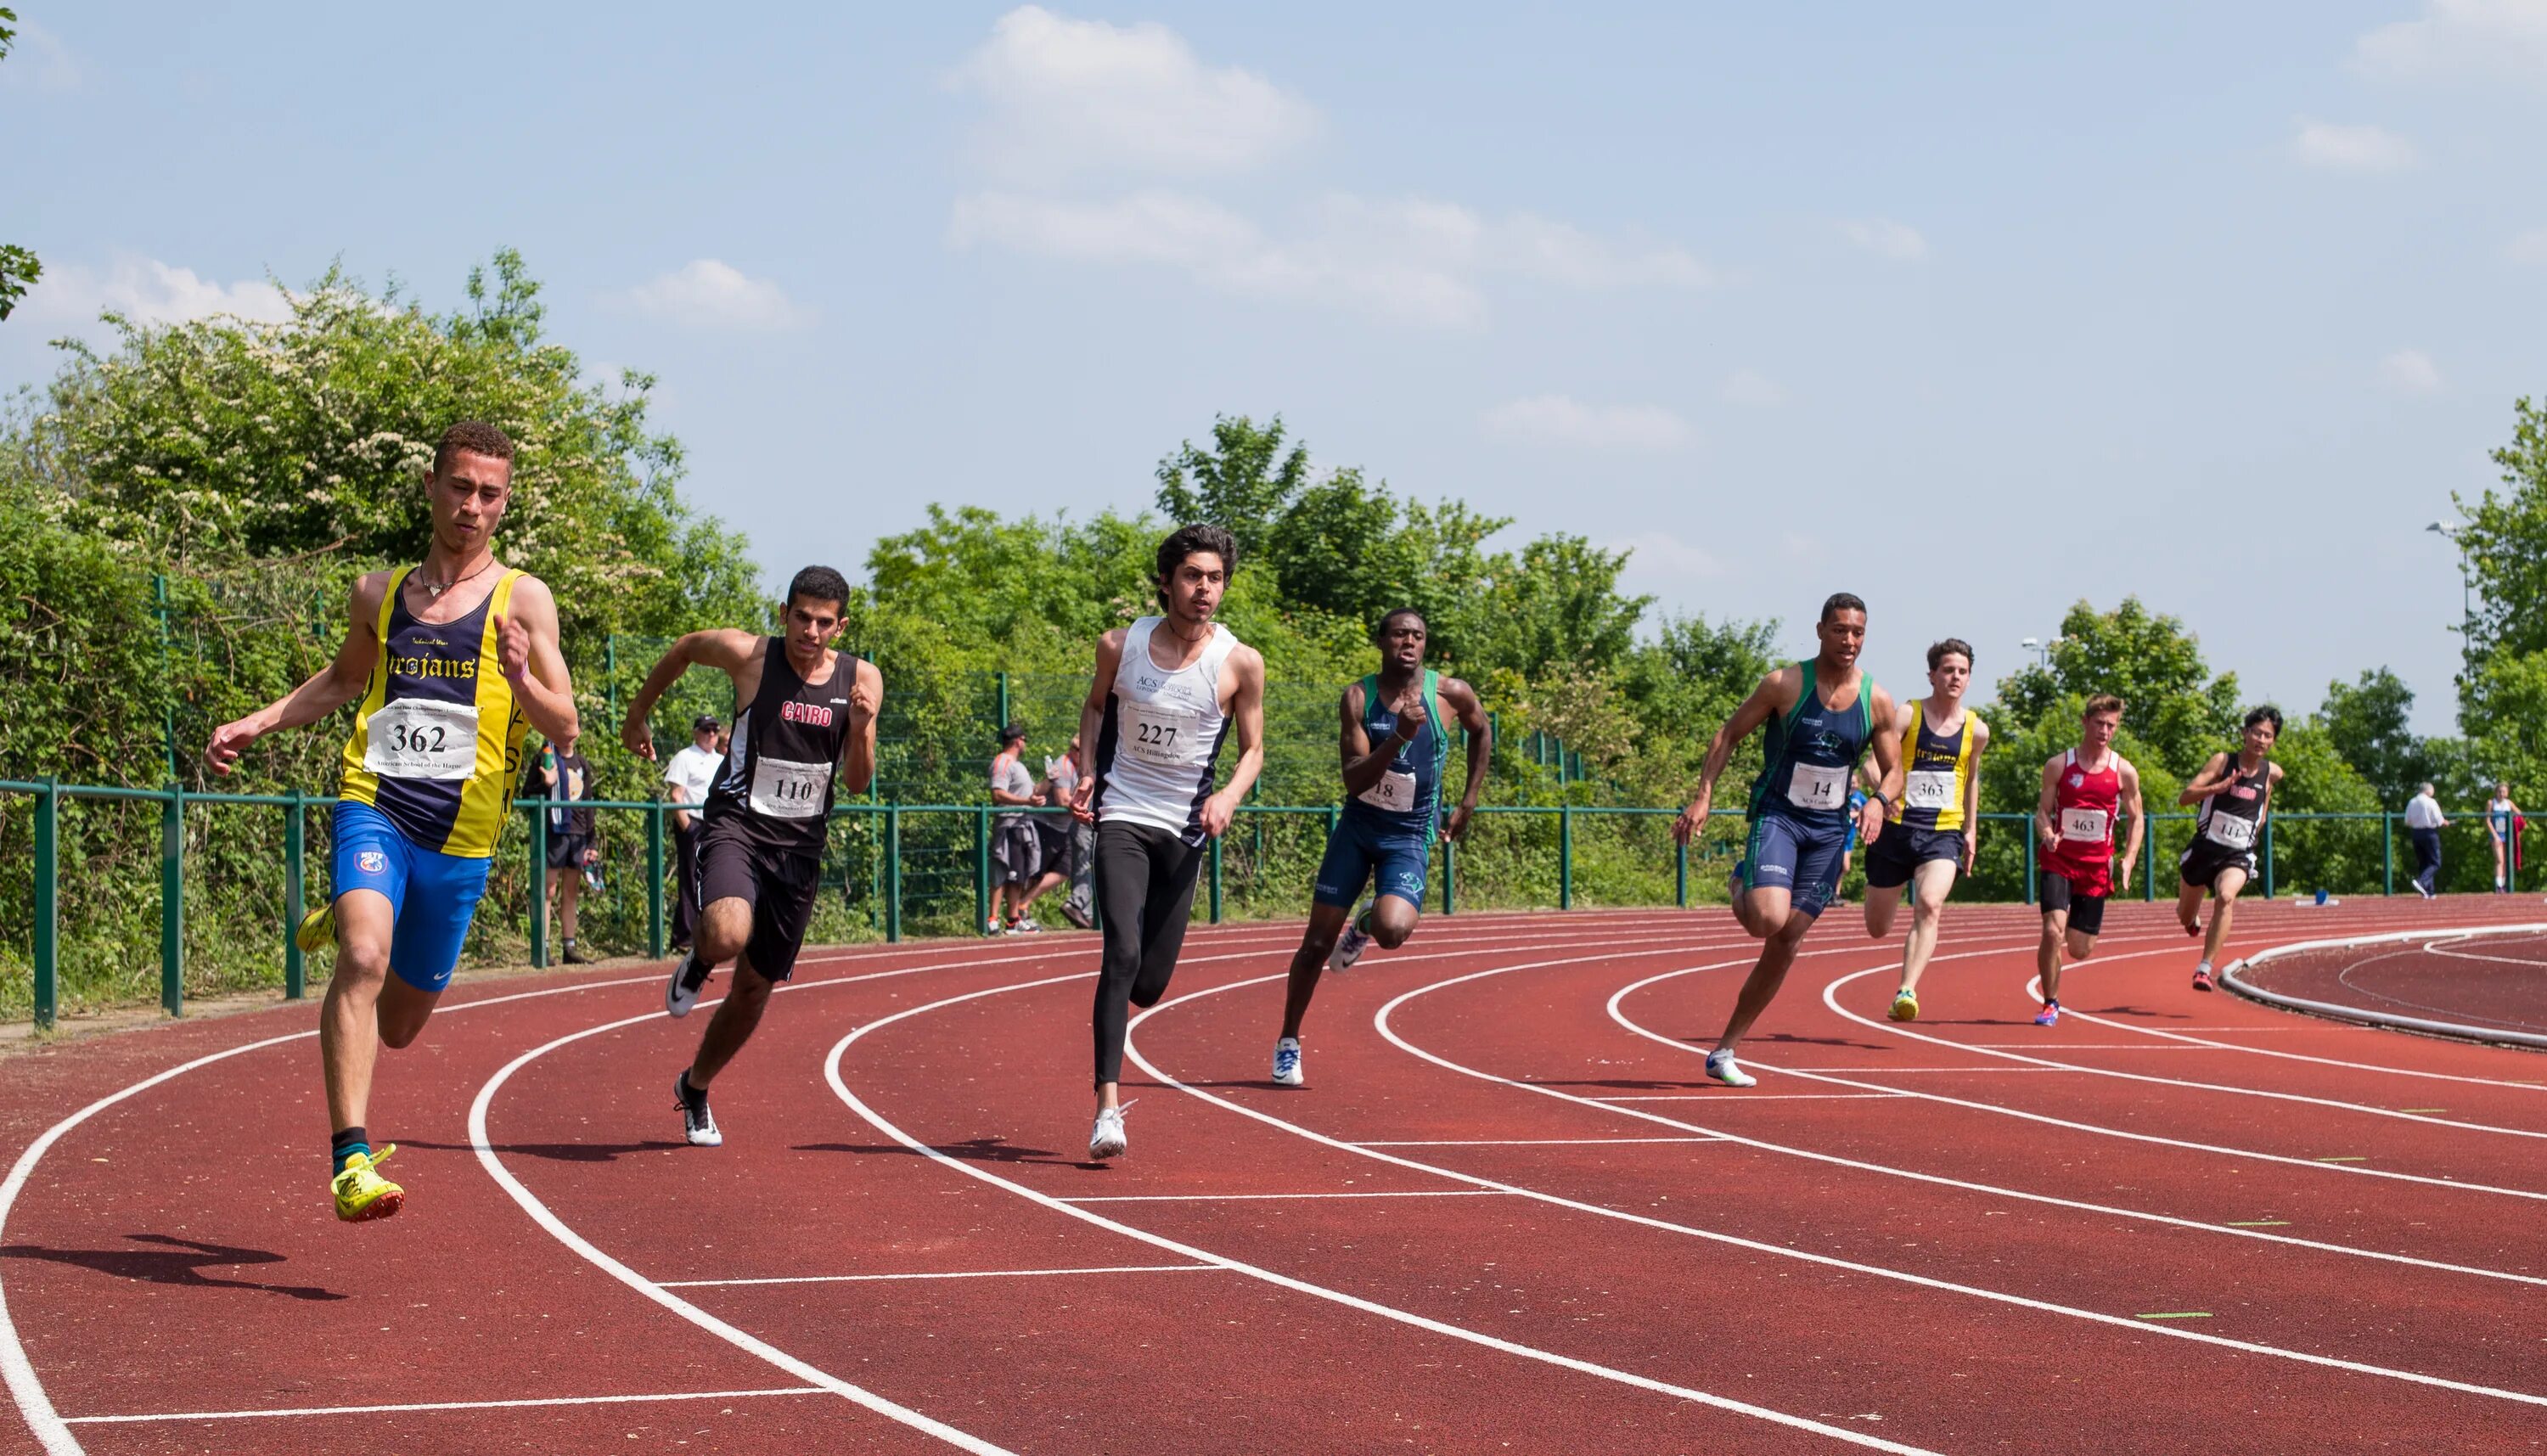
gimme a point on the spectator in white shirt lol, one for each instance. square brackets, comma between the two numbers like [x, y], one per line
[686, 778]
[2425, 822]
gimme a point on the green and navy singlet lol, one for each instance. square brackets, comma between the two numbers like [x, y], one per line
[1408, 797]
[1810, 754]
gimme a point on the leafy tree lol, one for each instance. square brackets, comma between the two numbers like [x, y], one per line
[2172, 703]
[1243, 482]
[2366, 721]
[18, 267]
[2505, 543]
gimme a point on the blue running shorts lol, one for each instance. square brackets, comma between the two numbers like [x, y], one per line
[1358, 852]
[1799, 858]
[432, 895]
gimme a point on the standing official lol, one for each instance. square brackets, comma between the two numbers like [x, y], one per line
[2425, 822]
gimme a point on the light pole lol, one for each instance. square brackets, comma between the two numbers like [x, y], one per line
[2452, 532]
[2042, 650]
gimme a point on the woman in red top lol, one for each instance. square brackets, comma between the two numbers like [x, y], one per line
[2083, 790]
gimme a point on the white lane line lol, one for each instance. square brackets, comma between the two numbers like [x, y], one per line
[951, 1274]
[1273, 1197]
[1732, 1095]
[426, 1405]
[876, 1120]
[1526, 1142]
[1381, 1020]
[1888, 1071]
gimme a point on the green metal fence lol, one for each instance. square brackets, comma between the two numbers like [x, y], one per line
[896, 869]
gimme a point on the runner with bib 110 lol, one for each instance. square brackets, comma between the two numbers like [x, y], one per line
[2236, 791]
[804, 719]
[1820, 716]
[451, 661]
[1394, 742]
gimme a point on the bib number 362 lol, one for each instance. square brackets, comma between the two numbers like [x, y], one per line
[783, 790]
[419, 739]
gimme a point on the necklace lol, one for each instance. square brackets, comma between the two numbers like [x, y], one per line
[433, 590]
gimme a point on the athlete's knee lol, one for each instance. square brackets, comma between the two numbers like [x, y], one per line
[1394, 923]
[2082, 946]
[362, 966]
[397, 1032]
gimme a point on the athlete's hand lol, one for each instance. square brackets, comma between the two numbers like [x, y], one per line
[1080, 798]
[512, 648]
[634, 737]
[1460, 819]
[1971, 847]
[228, 741]
[1693, 820]
[1411, 717]
[1870, 821]
[862, 701]
[2050, 838]
[2123, 881]
[1217, 812]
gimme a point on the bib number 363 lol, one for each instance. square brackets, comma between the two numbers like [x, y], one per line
[419, 739]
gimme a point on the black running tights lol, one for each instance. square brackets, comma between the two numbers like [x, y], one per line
[1145, 885]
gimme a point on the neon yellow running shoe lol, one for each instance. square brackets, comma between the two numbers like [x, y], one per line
[362, 1194]
[1906, 1007]
[317, 929]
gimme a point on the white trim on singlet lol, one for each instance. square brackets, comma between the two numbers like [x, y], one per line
[1163, 787]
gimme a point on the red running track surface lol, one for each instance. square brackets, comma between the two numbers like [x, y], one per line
[1508, 1213]
[2488, 982]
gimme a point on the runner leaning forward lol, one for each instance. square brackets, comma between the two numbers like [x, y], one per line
[452, 660]
[804, 719]
[1166, 693]
[2083, 789]
[1394, 743]
[1820, 715]
[1936, 827]
[2236, 791]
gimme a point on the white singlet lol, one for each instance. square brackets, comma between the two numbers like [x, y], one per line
[1162, 733]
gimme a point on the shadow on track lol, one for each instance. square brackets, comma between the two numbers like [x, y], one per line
[182, 1262]
[972, 1150]
[561, 1152]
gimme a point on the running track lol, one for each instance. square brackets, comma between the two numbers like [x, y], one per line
[1506, 1214]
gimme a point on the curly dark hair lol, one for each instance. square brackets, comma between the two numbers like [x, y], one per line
[1185, 541]
[821, 584]
[474, 436]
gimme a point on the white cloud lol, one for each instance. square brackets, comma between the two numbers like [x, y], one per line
[1885, 238]
[41, 60]
[1413, 259]
[1073, 95]
[70, 295]
[1661, 550]
[2460, 36]
[2351, 149]
[2410, 372]
[1560, 419]
[710, 294]
[1750, 386]
[2528, 247]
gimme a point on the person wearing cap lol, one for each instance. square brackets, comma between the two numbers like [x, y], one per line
[686, 778]
[1016, 852]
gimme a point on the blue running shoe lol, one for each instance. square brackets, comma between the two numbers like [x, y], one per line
[2049, 1015]
[1286, 1062]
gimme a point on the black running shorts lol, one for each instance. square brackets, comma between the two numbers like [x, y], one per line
[1897, 853]
[2086, 912]
[2204, 860]
[778, 885]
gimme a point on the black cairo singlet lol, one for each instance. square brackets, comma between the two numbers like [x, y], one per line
[787, 742]
[2230, 818]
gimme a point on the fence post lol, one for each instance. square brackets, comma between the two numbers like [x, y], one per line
[48, 902]
[1680, 873]
[2268, 858]
[1565, 856]
[1450, 876]
[982, 912]
[2032, 850]
[168, 698]
[655, 881]
[1004, 702]
[172, 902]
[892, 873]
[610, 676]
[295, 973]
[2387, 854]
[1215, 878]
[2148, 869]
[539, 885]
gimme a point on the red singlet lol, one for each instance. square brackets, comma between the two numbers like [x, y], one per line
[2088, 800]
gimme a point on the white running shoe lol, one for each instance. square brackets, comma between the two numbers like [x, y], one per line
[697, 1123]
[1348, 948]
[1107, 1140]
[1286, 1062]
[1025, 925]
[1721, 1067]
[681, 992]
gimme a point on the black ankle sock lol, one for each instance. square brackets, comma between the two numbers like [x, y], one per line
[348, 1143]
[695, 1098]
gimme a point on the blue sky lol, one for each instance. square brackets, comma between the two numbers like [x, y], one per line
[1973, 311]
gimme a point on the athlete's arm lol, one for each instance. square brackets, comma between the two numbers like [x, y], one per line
[858, 755]
[1777, 693]
[2130, 807]
[716, 647]
[2272, 781]
[1887, 763]
[2215, 776]
[1364, 762]
[1471, 713]
[999, 776]
[526, 648]
[1973, 795]
[1247, 707]
[2047, 804]
[1091, 718]
[331, 687]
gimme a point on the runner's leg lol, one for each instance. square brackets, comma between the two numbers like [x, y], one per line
[349, 1020]
[1930, 884]
[1122, 892]
[2046, 952]
[2188, 906]
[1883, 903]
[1309, 961]
[1768, 974]
[736, 1018]
[2227, 887]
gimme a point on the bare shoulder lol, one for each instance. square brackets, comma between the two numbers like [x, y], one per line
[2124, 770]
[1783, 687]
[1248, 661]
[870, 675]
[1352, 701]
[370, 590]
[532, 598]
[1981, 730]
[1456, 692]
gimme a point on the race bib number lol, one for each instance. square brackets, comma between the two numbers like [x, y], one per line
[2089, 826]
[1816, 787]
[421, 739]
[1929, 789]
[1395, 793]
[1163, 733]
[783, 790]
[2232, 832]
